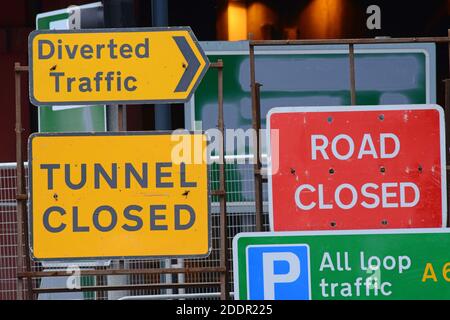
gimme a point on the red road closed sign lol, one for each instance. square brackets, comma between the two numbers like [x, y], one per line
[364, 167]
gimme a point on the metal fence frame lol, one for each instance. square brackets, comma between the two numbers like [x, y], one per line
[25, 272]
[255, 89]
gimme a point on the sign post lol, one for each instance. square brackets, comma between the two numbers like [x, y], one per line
[128, 66]
[105, 195]
[353, 265]
[364, 167]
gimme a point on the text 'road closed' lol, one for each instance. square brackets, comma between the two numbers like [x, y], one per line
[363, 167]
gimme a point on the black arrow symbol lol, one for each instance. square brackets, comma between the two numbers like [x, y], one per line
[192, 61]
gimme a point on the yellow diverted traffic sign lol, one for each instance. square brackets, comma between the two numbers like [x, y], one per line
[105, 195]
[132, 66]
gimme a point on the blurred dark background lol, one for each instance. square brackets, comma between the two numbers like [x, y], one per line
[221, 20]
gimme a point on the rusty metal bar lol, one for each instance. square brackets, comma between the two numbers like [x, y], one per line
[447, 134]
[20, 68]
[217, 192]
[130, 287]
[121, 110]
[217, 65]
[447, 131]
[22, 217]
[351, 57]
[258, 178]
[59, 273]
[21, 197]
[19, 180]
[179, 296]
[448, 47]
[348, 41]
[222, 192]
[256, 125]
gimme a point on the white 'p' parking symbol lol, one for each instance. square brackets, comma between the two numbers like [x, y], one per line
[278, 272]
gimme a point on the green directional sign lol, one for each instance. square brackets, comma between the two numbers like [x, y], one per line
[306, 76]
[363, 265]
[72, 118]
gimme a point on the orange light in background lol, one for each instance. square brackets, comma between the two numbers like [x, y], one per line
[315, 19]
[262, 20]
[322, 19]
[237, 20]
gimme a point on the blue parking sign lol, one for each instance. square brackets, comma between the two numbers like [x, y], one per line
[278, 272]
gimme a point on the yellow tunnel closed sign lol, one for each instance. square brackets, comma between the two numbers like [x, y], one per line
[118, 195]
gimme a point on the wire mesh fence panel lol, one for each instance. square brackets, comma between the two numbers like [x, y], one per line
[240, 217]
[8, 233]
